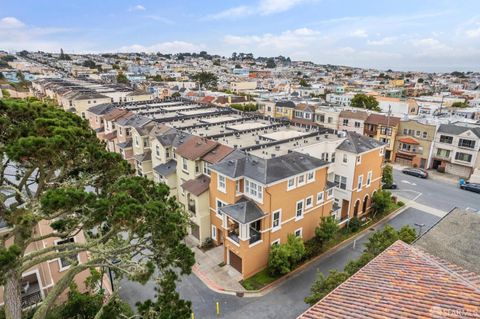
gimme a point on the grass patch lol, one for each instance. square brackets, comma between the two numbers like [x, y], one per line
[221, 264]
[313, 249]
[258, 281]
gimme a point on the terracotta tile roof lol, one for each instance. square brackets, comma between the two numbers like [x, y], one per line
[196, 147]
[197, 186]
[380, 119]
[111, 135]
[217, 154]
[353, 114]
[409, 140]
[402, 282]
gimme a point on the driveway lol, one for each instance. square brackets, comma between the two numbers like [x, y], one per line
[286, 301]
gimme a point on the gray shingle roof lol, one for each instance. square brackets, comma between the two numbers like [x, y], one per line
[458, 129]
[356, 143]
[270, 170]
[166, 169]
[244, 211]
[455, 238]
[101, 108]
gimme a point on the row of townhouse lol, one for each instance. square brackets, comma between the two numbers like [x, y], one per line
[273, 182]
[411, 142]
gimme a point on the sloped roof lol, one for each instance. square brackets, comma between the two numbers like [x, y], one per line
[380, 119]
[458, 129]
[217, 154]
[402, 282]
[269, 170]
[356, 143]
[244, 211]
[197, 186]
[196, 147]
[166, 169]
[100, 109]
[354, 114]
[289, 104]
[455, 238]
[409, 140]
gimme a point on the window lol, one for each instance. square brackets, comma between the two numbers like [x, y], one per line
[136, 141]
[330, 120]
[344, 158]
[443, 153]
[411, 132]
[345, 122]
[298, 233]
[359, 159]
[369, 178]
[206, 168]
[276, 220]
[157, 150]
[291, 183]
[330, 193]
[214, 232]
[184, 164]
[464, 157]
[319, 198]
[310, 177]
[220, 204]
[357, 124]
[446, 139]
[360, 181]
[301, 180]
[340, 181]
[254, 190]
[238, 186]
[299, 209]
[424, 135]
[405, 131]
[382, 151]
[222, 183]
[466, 143]
[309, 202]
[276, 242]
[167, 153]
[66, 261]
[417, 133]
[333, 157]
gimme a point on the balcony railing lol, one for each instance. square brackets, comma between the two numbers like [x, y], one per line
[233, 236]
[255, 235]
[31, 299]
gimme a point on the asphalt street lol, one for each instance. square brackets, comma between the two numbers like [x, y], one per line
[288, 297]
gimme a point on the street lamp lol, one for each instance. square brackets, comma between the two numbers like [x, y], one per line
[420, 226]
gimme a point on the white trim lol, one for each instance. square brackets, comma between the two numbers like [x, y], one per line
[222, 189]
[255, 243]
[369, 178]
[311, 202]
[216, 207]
[312, 179]
[60, 267]
[289, 188]
[359, 182]
[233, 241]
[276, 241]
[323, 197]
[304, 180]
[301, 232]
[214, 232]
[274, 229]
[296, 209]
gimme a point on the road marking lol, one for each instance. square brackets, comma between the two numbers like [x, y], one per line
[408, 182]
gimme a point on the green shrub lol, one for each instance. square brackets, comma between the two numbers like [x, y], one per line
[283, 258]
[400, 203]
[354, 224]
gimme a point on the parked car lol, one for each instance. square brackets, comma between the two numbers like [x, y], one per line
[473, 187]
[417, 172]
[392, 186]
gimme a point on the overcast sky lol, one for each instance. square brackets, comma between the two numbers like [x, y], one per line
[430, 35]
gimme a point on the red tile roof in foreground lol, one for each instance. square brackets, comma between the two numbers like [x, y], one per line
[403, 282]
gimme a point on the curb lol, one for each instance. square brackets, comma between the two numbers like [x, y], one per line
[273, 285]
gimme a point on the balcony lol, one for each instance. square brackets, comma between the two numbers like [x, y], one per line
[255, 235]
[234, 235]
[31, 294]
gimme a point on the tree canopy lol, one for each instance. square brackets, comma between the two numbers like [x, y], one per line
[206, 79]
[54, 169]
[122, 78]
[365, 102]
[460, 104]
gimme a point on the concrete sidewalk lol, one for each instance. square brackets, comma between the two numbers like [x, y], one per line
[222, 279]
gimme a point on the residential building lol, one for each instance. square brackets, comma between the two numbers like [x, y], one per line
[456, 148]
[327, 116]
[385, 286]
[257, 202]
[284, 109]
[352, 120]
[383, 128]
[414, 144]
[304, 115]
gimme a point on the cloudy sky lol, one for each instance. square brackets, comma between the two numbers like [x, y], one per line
[430, 35]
